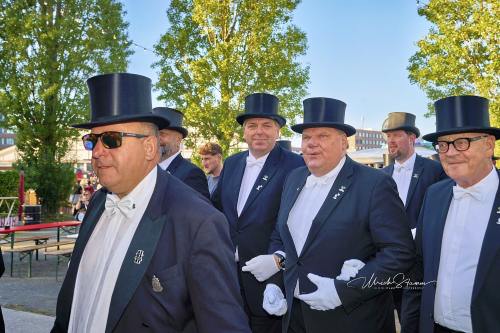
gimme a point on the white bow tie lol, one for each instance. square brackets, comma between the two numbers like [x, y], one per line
[125, 207]
[459, 192]
[312, 181]
[252, 162]
[400, 167]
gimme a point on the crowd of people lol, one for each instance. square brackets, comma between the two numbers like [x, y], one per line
[272, 241]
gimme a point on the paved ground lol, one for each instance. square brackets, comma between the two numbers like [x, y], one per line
[26, 322]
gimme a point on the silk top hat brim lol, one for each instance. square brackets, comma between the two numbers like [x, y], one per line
[324, 112]
[120, 98]
[261, 105]
[175, 117]
[462, 114]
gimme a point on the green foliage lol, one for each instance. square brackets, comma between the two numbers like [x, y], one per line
[461, 52]
[47, 50]
[217, 52]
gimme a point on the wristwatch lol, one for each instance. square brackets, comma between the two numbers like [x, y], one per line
[280, 260]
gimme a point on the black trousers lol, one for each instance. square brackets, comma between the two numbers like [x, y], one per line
[296, 318]
[258, 323]
[2, 325]
[441, 329]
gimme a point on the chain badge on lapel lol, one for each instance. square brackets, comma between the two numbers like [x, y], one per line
[265, 178]
[341, 190]
[155, 282]
[139, 255]
[415, 175]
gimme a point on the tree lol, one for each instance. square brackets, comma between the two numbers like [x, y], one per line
[47, 50]
[460, 54]
[217, 52]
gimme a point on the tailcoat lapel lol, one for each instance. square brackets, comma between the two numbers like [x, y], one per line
[139, 253]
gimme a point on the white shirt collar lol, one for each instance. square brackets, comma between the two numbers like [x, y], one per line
[488, 184]
[408, 164]
[165, 164]
[253, 158]
[312, 179]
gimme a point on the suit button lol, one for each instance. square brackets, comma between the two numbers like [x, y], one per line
[299, 263]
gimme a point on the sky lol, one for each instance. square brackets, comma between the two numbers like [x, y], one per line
[358, 52]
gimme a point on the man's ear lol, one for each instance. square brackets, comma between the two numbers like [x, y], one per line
[151, 144]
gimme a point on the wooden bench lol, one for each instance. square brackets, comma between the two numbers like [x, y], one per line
[59, 253]
[28, 250]
[37, 239]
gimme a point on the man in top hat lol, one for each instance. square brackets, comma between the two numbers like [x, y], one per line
[145, 260]
[171, 159]
[337, 218]
[458, 232]
[412, 173]
[249, 193]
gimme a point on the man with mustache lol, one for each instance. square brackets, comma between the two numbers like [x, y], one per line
[458, 231]
[150, 255]
[249, 193]
[412, 173]
[337, 218]
[171, 159]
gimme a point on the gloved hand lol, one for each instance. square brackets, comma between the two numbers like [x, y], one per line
[325, 297]
[262, 267]
[274, 301]
[350, 269]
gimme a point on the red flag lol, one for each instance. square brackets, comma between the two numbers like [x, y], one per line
[20, 195]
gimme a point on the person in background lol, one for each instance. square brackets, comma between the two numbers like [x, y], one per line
[249, 194]
[2, 269]
[171, 158]
[211, 159]
[81, 206]
[412, 173]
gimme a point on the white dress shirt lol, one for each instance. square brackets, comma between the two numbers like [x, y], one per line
[307, 206]
[466, 224]
[165, 164]
[103, 256]
[402, 176]
[252, 170]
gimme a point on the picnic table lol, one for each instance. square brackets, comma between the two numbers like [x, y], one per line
[33, 227]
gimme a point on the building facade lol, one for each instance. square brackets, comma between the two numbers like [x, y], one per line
[366, 139]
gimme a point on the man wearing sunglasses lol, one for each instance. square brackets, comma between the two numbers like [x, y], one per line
[145, 260]
[458, 232]
[171, 159]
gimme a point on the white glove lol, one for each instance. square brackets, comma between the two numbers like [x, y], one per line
[350, 269]
[262, 267]
[274, 301]
[325, 297]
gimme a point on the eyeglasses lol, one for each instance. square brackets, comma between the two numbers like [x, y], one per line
[460, 144]
[110, 140]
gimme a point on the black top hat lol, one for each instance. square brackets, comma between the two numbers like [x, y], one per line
[461, 114]
[261, 105]
[285, 144]
[175, 118]
[324, 112]
[120, 98]
[400, 121]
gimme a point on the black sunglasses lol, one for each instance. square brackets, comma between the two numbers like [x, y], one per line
[110, 140]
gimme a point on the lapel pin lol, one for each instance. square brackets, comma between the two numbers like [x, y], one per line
[498, 221]
[138, 257]
[335, 196]
[259, 187]
[342, 188]
[498, 210]
[155, 282]
[415, 175]
[265, 178]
